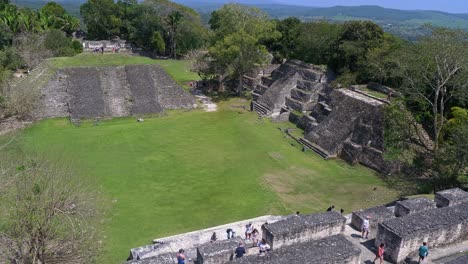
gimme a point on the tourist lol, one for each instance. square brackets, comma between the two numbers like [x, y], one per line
[330, 208]
[298, 213]
[213, 237]
[255, 237]
[263, 246]
[341, 211]
[180, 257]
[365, 227]
[230, 233]
[423, 252]
[248, 230]
[240, 250]
[380, 253]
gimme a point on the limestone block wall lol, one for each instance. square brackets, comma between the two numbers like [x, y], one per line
[439, 227]
[458, 260]
[410, 206]
[91, 92]
[217, 252]
[169, 258]
[298, 229]
[333, 249]
[376, 214]
[450, 197]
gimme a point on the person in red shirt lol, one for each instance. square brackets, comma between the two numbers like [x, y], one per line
[380, 253]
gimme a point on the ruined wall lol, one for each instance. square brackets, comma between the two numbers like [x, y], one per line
[218, 252]
[442, 226]
[332, 249]
[91, 92]
[451, 197]
[410, 206]
[376, 215]
[298, 229]
[350, 125]
[294, 85]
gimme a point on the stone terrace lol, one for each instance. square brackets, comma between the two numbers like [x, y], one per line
[332, 249]
[95, 92]
[438, 227]
[413, 205]
[451, 197]
[296, 229]
[376, 214]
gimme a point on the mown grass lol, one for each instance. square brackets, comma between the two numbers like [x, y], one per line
[191, 170]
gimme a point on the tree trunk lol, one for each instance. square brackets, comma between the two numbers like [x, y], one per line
[240, 85]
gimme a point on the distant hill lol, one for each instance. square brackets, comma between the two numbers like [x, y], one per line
[406, 23]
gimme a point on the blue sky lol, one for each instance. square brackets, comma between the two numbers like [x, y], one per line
[452, 6]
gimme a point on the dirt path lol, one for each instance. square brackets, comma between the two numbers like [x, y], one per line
[206, 101]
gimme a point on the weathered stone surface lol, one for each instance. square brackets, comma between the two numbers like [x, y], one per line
[439, 227]
[298, 229]
[376, 214]
[310, 80]
[333, 249]
[91, 92]
[413, 205]
[218, 252]
[459, 260]
[169, 258]
[84, 92]
[451, 197]
[144, 92]
[298, 105]
[350, 125]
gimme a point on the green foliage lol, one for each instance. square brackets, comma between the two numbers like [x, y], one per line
[101, 18]
[77, 46]
[237, 48]
[284, 47]
[158, 43]
[317, 42]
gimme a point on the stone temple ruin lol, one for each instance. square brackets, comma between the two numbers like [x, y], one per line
[338, 122]
[332, 238]
[97, 92]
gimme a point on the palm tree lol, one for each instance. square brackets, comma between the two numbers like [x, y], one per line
[173, 21]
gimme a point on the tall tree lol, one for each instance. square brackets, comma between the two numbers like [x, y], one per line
[435, 72]
[237, 48]
[173, 21]
[101, 18]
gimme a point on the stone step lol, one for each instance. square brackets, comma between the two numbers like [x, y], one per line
[260, 109]
[325, 106]
[309, 145]
[267, 81]
[260, 88]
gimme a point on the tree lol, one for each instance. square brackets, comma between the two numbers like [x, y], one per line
[173, 21]
[284, 47]
[435, 73]
[49, 214]
[237, 47]
[158, 43]
[101, 18]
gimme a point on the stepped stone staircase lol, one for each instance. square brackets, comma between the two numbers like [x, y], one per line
[309, 145]
[261, 110]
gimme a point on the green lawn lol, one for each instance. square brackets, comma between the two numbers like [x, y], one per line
[192, 170]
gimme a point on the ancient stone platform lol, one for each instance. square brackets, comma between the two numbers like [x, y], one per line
[217, 252]
[332, 249]
[451, 197]
[410, 206]
[97, 92]
[376, 214]
[303, 228]
[439, 227]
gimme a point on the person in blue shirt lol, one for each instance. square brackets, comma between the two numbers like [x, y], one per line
[240, 250]
[423, 252]
[181, 257]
